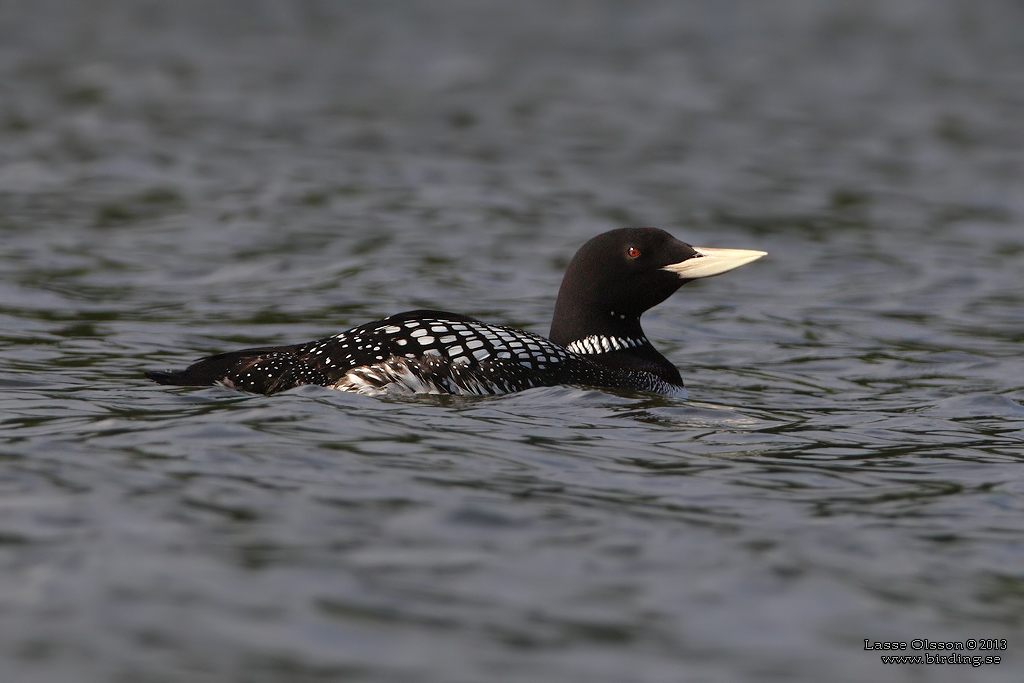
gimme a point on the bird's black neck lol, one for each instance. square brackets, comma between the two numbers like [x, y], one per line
[610, 338]
[573, 322]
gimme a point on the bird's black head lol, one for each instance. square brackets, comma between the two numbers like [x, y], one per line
[618, 275]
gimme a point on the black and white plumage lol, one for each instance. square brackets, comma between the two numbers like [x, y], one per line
[596, 339]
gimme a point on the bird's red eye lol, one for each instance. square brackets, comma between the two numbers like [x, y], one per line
[632, 252]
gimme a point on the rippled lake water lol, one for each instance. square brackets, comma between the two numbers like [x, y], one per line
[178, 179]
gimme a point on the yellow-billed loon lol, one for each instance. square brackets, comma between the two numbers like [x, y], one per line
[595, 338]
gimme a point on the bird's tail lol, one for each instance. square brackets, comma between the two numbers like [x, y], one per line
[264, 370]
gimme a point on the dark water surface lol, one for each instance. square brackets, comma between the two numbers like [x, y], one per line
[184, 178]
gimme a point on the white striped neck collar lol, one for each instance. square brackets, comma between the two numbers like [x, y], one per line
[602, 343]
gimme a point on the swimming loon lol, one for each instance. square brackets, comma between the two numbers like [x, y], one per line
[595, 338]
